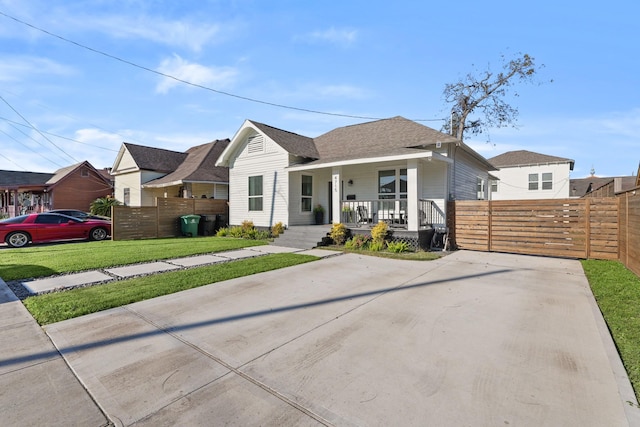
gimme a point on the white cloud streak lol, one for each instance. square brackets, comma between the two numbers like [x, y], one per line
[215, 77]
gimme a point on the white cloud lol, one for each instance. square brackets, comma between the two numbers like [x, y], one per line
[17, 68]
[184, 33]
[215, 77]
[338, 36]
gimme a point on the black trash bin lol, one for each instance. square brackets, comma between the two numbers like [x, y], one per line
[206, 227]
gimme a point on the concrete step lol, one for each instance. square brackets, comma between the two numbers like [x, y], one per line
[302, 236]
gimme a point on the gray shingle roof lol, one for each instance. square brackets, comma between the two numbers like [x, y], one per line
[155, 159]
[295, 144]
[382, 137]
[13, 179]
[526, 158]
[198, 166]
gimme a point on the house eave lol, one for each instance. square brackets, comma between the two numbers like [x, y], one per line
[181, 182]
[427, 155]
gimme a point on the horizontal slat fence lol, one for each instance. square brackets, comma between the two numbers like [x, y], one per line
[572, 228]
[162, 220]
[630, 230]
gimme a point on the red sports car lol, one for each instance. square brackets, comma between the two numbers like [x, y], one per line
[46, 227]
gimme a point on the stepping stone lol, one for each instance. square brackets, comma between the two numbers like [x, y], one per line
[198, 260]
[139, 269]
[38, 286]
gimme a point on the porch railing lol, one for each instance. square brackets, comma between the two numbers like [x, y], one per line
[394, 212]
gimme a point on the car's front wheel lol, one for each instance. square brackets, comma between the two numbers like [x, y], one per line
[98, 233]
[17, 239]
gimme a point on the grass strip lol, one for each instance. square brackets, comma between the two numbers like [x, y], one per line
[46, 260]
[617, 291]
[58, 306]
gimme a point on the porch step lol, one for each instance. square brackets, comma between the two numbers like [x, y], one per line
[302, 236]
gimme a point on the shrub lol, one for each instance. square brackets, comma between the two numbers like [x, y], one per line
[262, 235]
[102, 206]
[379, 232]
[376, 246]
[338, 233]
[247, 225]
[222, 232]
[359, 241]
[236, 231]
[398, 247]
[277, 229]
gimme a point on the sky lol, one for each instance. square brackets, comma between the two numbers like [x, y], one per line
[79, 78]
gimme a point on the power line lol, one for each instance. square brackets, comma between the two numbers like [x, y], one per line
[26, 146]
[37, 130]
[220, 92]
[62, 137]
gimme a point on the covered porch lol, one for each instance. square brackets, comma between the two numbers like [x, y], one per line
[408, 192]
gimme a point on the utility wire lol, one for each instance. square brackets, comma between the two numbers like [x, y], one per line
[220, 92]
[26, 146]
[37, 130]
[62, 137]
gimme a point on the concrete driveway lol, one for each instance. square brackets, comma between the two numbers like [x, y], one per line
[473, 339]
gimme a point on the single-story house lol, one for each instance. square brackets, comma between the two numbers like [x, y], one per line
[144, 173]
[525, 174]
[71, 187]
[393, 170]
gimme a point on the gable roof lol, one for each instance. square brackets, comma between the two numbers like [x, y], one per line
[392, 136]
[15, 179]
[62, 173]
[295, 144]
[198, 166]
[155, 159]
[526, 158]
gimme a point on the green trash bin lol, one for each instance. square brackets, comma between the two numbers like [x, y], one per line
[189, 225]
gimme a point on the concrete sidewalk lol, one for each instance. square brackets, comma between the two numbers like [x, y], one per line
[474, 338]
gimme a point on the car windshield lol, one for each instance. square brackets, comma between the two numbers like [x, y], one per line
[14, 220]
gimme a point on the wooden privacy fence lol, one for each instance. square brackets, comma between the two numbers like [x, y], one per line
[162, 220]
[630, 230]
[573, 228]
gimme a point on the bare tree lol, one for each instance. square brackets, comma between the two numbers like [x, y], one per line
[483, 93]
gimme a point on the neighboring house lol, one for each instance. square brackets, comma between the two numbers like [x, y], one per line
[71, 187]
[524, 174]
[144, 173]
[602, 187]
[392, 170]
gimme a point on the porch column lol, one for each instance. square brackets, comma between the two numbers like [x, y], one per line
[336, 193]
[413, 193]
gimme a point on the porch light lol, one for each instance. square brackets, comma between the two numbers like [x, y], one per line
[350, 182]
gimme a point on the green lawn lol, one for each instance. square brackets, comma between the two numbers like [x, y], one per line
[58, 306]
[47, 260]
[617, 291]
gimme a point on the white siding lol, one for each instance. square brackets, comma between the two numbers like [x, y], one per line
[130, 181]
[147, 197]
[514, 182]
[321, 179]
[271, 165]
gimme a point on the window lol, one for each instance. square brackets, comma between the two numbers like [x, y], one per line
[307, 193]
[547, 181]
[255, 193]
[127, 196]
[84, 173]
[392, 184]
[494, 185]
[480, 188]
[255, 144]
[533, 181]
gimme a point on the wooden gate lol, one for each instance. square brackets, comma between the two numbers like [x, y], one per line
[573, 228]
